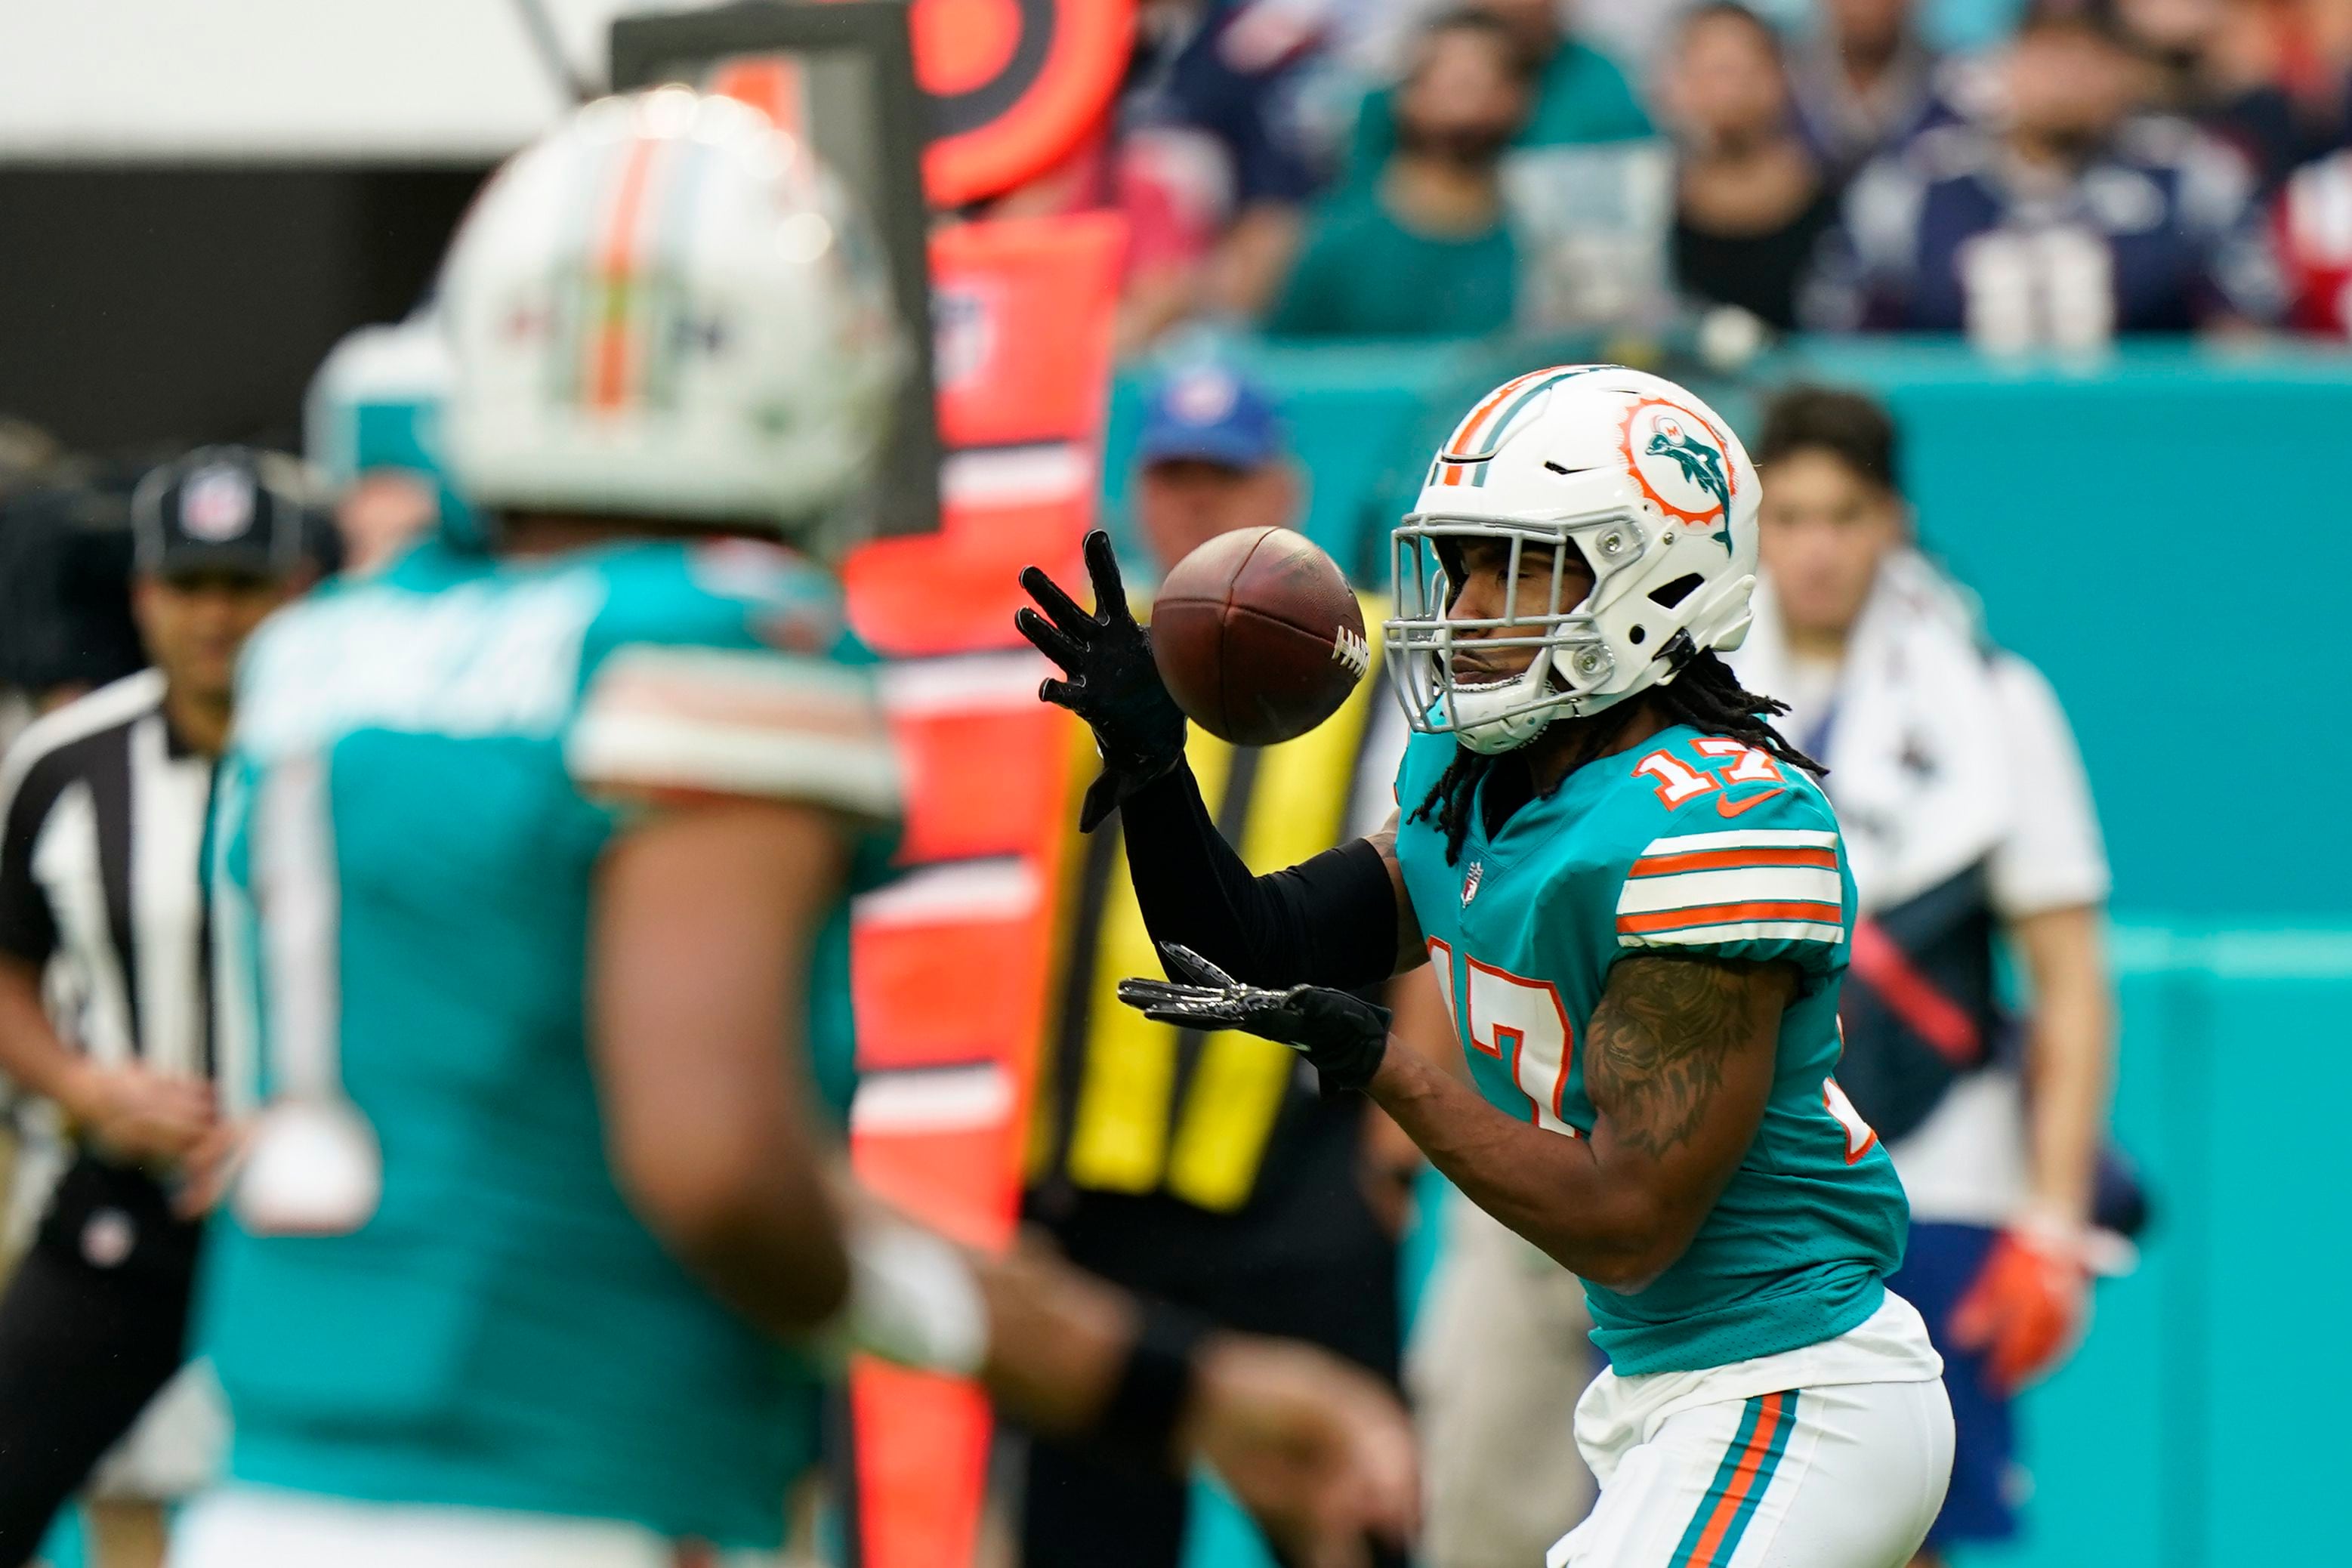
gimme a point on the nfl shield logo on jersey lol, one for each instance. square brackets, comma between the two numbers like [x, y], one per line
[1470, 881]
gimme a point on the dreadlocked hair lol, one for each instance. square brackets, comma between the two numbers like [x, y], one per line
[1706, 695]
[1449, 799]
[1703, 694]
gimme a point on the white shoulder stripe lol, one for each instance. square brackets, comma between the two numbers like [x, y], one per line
[647, 752]
[737, 691]
[117, 702]
[1761, 884]
[1743, 931]
[1746, 838]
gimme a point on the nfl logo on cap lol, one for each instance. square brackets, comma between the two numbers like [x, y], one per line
[216, 504]
[1204, 396]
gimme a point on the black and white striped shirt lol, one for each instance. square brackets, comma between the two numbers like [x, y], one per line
[102, 813]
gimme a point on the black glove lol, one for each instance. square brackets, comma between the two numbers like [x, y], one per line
[1343, 1035]
[1113, 684]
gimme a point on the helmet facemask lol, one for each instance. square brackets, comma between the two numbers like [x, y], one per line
[1573, 670]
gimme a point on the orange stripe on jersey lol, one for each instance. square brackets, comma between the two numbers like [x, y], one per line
[611, 359]
[1743, 1480]
[1732, 859]
[1727, 915]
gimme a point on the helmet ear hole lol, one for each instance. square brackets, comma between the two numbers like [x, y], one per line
[1638, 635]
[1669, 594]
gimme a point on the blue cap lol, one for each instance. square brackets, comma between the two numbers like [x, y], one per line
[1213, 415]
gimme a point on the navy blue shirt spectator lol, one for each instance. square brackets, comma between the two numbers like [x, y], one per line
[2227, 68]
[1230, 69]
[2072, 222]
[1211, 162]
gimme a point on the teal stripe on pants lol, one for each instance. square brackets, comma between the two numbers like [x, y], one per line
[1780, 1411]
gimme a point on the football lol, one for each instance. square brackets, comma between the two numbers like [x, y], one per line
[1258, 636]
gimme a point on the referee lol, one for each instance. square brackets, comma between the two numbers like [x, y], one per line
[103, 986]
[1207, 1170]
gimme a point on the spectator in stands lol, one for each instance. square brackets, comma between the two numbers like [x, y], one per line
[1578, 94]
[2069, 220]
[1211, 1171]
[2245, 71]
[2315, 239]
[1212, 458]
[1423, 250]
[1864, 80]
[1752, 199]
[1967, 823]
[1210, 160]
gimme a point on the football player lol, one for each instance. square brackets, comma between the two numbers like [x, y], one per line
[1638, 906]
[534, 867]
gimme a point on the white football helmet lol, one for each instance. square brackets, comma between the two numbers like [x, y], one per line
[1642, 479]
[666, 308]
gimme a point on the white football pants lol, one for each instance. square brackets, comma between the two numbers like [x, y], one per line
[1816, 1472]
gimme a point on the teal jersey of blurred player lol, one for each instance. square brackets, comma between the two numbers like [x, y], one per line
[427, 767]
[1698, 845]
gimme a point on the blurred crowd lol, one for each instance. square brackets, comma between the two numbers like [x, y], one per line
[1456, 167]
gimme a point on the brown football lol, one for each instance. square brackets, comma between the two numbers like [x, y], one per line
[1258, 636]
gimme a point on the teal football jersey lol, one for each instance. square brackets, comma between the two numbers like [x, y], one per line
[426, 768]
[1685, 844]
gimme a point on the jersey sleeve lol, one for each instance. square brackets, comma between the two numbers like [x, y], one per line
[1768, 884]
[754, 691]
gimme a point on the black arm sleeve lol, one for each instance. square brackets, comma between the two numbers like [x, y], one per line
[1330, 921]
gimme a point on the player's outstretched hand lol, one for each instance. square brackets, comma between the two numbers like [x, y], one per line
[1317, 1451]
[1109, 678]
[1343, 1035]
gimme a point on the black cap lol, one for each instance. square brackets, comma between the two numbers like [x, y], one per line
[219, 509]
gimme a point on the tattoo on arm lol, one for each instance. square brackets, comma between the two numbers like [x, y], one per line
[1656, 1046]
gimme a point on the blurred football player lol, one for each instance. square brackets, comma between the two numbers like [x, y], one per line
[535, 867]
[1637, 903]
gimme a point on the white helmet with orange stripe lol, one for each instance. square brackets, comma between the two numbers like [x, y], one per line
[664, 308]
[1643, 481]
